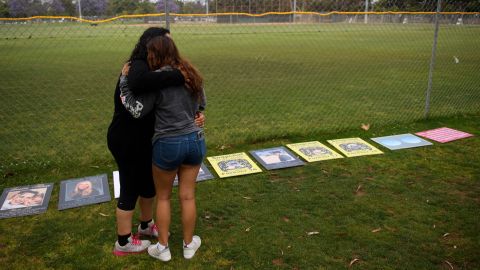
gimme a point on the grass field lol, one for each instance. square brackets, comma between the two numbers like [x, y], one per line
[408, 209]
[262, 81]
[267, 85]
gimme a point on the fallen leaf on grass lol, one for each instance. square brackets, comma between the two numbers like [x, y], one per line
[376, 230]
[223, 147]
[365, 126]
[103, 215]
[247, 198]
[446, 234]
[277, 262]
[286, 219]
[359, 191]
[312, 233]
[352, 262]
[449, 264]
[248, 229]
[95, 166]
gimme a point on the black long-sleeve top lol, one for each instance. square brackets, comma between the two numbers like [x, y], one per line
[125, 132]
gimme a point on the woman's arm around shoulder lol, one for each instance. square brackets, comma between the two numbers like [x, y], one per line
[141, 79]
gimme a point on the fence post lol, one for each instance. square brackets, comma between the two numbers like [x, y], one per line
[366, 10]
[167, 15]
[432, 60]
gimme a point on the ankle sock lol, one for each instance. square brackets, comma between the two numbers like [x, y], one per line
[144, 224]
[123, 239]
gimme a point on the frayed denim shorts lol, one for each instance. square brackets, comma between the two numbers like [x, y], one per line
[171, 152]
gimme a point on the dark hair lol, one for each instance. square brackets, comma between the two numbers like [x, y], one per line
[162, 51]
[140, 50]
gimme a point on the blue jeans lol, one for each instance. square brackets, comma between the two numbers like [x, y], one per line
[171, 152]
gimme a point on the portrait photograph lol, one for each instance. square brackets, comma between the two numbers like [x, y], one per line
[28, 200]
[276, 158]
[83, 191]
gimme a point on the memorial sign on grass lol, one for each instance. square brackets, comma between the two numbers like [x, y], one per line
[402, 141]
[203, 174]
[314, 151]
[276, 158]
[233, 165]
[444, 134]
[24, 201]
[354, 147]
[83, 191]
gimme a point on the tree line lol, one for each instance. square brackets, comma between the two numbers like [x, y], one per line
[104, 8]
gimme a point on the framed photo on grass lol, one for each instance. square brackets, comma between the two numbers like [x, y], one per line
[203, 174]
[24, 201]
[83, 191]
[276, 158]
[402, 141]
[354, 147]
[314, 151]
[233, 165]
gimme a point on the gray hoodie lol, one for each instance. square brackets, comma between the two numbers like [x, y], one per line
[175, 108]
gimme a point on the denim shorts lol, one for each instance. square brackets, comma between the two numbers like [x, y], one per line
[171, 152]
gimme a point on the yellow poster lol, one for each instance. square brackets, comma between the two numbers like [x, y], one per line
[233, 165]
[314, 151]
[354, 147]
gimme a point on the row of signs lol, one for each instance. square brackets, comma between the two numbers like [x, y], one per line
[28, 200]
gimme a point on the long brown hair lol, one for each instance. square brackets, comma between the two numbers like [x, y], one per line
[162, 51]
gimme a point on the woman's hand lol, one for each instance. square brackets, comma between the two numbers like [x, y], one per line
[126, 69]
[199, 119]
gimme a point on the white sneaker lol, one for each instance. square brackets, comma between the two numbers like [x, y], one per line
[151, 230]
[190, 249]
[160, 252]
[133, 246]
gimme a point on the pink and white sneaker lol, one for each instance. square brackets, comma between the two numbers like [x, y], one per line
[134, 246]
[151, 230]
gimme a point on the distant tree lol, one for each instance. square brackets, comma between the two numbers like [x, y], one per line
[94, 7]
[119, 7]
[4, 9]
[70, 8]
[172, 6]
[145, 7]
[54, 7]
[25, 8]
[193, 7]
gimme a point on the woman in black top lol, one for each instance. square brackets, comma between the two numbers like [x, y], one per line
[129, 141]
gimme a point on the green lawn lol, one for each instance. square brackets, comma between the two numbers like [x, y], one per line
[407, 209]
[262, 81]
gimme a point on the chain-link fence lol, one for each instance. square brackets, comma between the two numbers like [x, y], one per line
[267, 76]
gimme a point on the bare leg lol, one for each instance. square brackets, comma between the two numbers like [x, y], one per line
[187, 178]
[163, 186]
[124, 221]
[146, 208]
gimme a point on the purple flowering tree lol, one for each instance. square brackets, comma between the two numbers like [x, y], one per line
[26, 8]
[94, 7]
[55, 7]
[172, 6]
